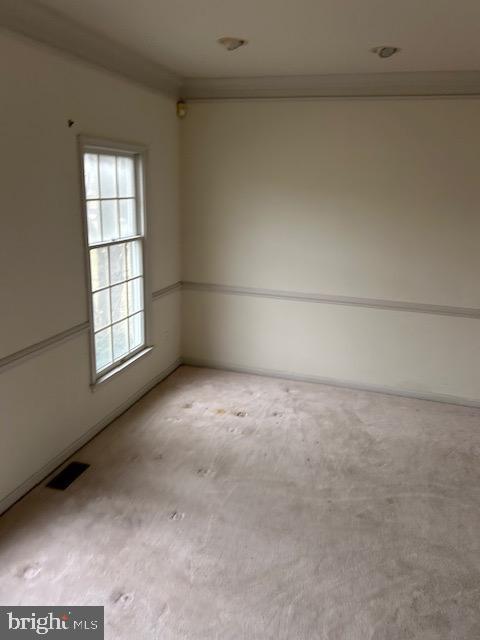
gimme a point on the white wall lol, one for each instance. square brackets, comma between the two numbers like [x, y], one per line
[362, 198]
[45, 401]
[354, 197]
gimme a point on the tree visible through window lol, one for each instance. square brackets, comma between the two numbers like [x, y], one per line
[115, 232]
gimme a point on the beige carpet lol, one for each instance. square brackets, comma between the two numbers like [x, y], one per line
[226, 506]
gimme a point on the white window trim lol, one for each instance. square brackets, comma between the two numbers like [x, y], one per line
[102, 145]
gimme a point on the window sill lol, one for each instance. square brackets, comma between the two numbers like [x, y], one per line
[121, 367]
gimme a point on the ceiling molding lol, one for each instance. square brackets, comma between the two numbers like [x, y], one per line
[435, 83]
[53, 28]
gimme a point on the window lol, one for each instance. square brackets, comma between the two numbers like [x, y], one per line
[114, 215]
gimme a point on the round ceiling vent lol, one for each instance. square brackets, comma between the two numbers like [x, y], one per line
[231, 43]
[385, 51]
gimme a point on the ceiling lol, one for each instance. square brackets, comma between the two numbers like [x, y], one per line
[288, 37]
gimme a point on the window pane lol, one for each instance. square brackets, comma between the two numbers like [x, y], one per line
[110, 220]
[101, 309]
[116, 263]
[135, 324]
[119, 302]
[90, 165]
[120, 339]
[103, 348]
[126, 176]
[118, 267]
[128, 223]
[135, 295]
[99, 268]
[93, 221]
[108, 181]
[134, 259]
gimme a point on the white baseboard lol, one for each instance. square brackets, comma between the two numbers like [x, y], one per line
[334, 382]
[62, 457]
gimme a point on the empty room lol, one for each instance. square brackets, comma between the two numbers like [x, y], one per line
[240, 319]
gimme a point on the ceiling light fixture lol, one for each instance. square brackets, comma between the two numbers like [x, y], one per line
[384, 51]
[230, 43]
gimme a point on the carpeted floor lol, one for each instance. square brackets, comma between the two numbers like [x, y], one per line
[227, 506]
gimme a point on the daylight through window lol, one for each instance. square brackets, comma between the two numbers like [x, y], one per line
[114, 215]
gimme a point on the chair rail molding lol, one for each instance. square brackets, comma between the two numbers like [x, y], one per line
[71, 332]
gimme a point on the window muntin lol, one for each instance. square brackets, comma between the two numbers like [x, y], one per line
[115, 238]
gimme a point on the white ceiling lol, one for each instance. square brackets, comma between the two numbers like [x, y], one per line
[288, 37]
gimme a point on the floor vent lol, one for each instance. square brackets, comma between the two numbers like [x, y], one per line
[66, 476]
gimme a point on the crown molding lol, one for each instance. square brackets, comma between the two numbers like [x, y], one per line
[435, 83]
[51, 27]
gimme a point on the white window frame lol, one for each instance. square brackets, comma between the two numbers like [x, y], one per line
[139, 154]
